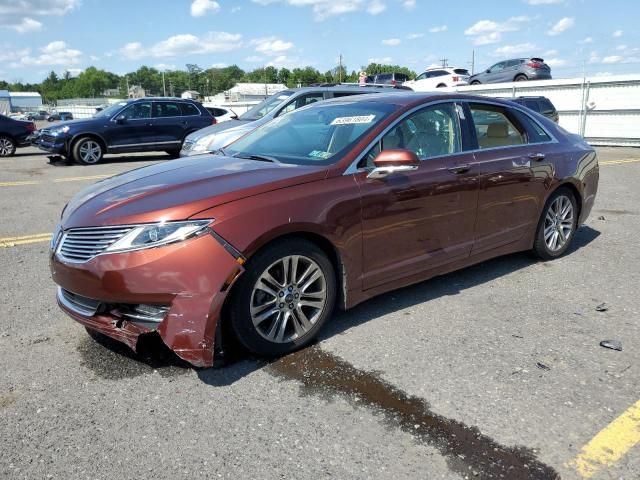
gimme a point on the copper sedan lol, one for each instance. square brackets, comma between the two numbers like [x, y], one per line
[328, 205]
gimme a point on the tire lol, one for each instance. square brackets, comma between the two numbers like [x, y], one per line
[282, 323]
[442, 85]
[555, 223]
[87, 151]
[475, 82]
[520, 78]
[7, 146]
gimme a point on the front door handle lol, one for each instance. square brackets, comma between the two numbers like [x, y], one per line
[537, 156]
[460, 168]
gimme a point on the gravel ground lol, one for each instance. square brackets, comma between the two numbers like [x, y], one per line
[499, 360]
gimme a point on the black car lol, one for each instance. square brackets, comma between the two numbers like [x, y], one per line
[140, 125]
[64, 116]
[13, 134]
[39, 115]
[388, 78]
[540, 104]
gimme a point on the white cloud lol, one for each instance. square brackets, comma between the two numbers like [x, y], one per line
[27, 25]
[413, 36]
[486, 32]
[551, 53]
[602, 74]
[556, 62]
[254, 59]
[409, 4]
[8, 53]
[621, 47]
[562, 25]
[382, 60]
[219, 65]
[613, 59]
[185, 44]
[199, 8]
[617, 34]
[236, 9]
[441, 28]
[283, 61]
[511, 50]
[165, 66]
[74, 71]
[55, 53]
[587, 40]
[94, 58]
[391, 42]
[271, 45]
[543, 2]
[323, 9]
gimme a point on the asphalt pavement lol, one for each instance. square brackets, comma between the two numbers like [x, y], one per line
[494, 371]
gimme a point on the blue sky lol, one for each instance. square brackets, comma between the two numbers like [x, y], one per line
[37, 36]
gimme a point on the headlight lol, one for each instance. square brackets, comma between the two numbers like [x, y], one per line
[59, 131]
[157, 234]
[202, 145]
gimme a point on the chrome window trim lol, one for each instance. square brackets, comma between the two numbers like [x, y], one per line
[352, 168]
[113, 118]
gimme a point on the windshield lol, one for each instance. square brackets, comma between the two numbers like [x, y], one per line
[110, 111]
[312, 135]
[264, 107]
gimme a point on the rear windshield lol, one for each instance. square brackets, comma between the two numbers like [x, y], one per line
[546, 106]
[461, 71]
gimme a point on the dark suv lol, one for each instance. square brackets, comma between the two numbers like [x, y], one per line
[540, 104]
[13, 133]
[140, 125]
[388, 78]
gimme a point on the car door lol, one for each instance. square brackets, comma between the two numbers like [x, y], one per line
[510, 70]
[419, 220]
[169, 124]
[131, 129]
[494, 74]
[511, 179]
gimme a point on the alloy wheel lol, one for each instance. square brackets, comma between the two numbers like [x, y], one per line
[90, 152]
[288, 299]
[558, 223]
[6, 147]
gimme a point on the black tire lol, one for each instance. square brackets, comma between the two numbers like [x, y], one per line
[475, 82]
[540, 246]
[173, 153]
[442, 85]
[7, 146]
[84, 145]
[520, 78]
[242, 297]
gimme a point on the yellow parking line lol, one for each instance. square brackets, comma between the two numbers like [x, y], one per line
[620, 162]
[77, 179]
[18, 184]
[55, 180]
[23, 240]
[611, 444]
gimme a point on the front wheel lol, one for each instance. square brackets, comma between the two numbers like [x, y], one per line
[87, 151]
[7, 146]
[521, 78]
[285, 296]
[557, 225]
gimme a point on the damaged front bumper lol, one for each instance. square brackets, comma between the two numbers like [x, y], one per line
[175, 290]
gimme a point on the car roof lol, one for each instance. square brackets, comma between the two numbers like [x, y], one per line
[408, 99]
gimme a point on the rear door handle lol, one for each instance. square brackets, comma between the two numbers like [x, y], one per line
[537, 156]
[460, 168]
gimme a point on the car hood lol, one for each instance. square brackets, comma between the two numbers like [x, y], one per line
[217, 128]
[73, 123]
[179, 189]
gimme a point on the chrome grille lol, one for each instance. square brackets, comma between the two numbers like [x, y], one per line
[82, 244]
[77, 303]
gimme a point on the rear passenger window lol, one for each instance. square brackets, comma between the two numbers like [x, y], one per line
[189, 109]
[496, 127]
[532, 104]
[546, 107]
[537, 134]
[166, 109]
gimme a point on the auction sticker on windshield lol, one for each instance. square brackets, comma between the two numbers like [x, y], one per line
[352, 120]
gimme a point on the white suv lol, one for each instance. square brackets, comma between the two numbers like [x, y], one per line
[439, 77]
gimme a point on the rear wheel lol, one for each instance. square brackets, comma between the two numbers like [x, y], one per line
[475, 82]
[281, 302]
[521, 78]
[87, 151]
[557, 225]
[7, 146]
[442, 85]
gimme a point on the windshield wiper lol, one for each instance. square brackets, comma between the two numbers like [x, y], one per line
[220, 151]
[260, 158]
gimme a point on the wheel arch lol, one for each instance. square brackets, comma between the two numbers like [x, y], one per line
[567, 184]
[92, 135]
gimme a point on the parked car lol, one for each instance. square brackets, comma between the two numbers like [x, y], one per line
[222, 114]
[39, 115]
[218, 136]
[60, 116]
[139, 125]
[13, 134]
[327, 205]
[388, 78]
[539, 104]
[438, 78]
[516, 70]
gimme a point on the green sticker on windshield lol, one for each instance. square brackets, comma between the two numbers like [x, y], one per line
[319, 154]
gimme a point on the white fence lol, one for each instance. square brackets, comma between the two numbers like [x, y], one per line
[605, 110]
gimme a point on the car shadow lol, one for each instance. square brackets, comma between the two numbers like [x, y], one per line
[235, 362]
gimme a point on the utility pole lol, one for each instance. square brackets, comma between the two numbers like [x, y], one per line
[444, 62]
[127, 78]
[473, 61]
[164, 87]
[340, 70]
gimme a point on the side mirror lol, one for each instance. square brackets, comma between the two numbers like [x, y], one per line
[121, 119]
[487, 71]
[394, 161]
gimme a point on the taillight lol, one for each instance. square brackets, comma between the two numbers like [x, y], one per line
[534, 65]
[393, 82]
[455, 79]
[213, 120]
[31, 127]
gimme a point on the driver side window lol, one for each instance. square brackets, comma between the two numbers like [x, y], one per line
[137, 111]
[301, 102]
[497, 67]
[431, 132]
